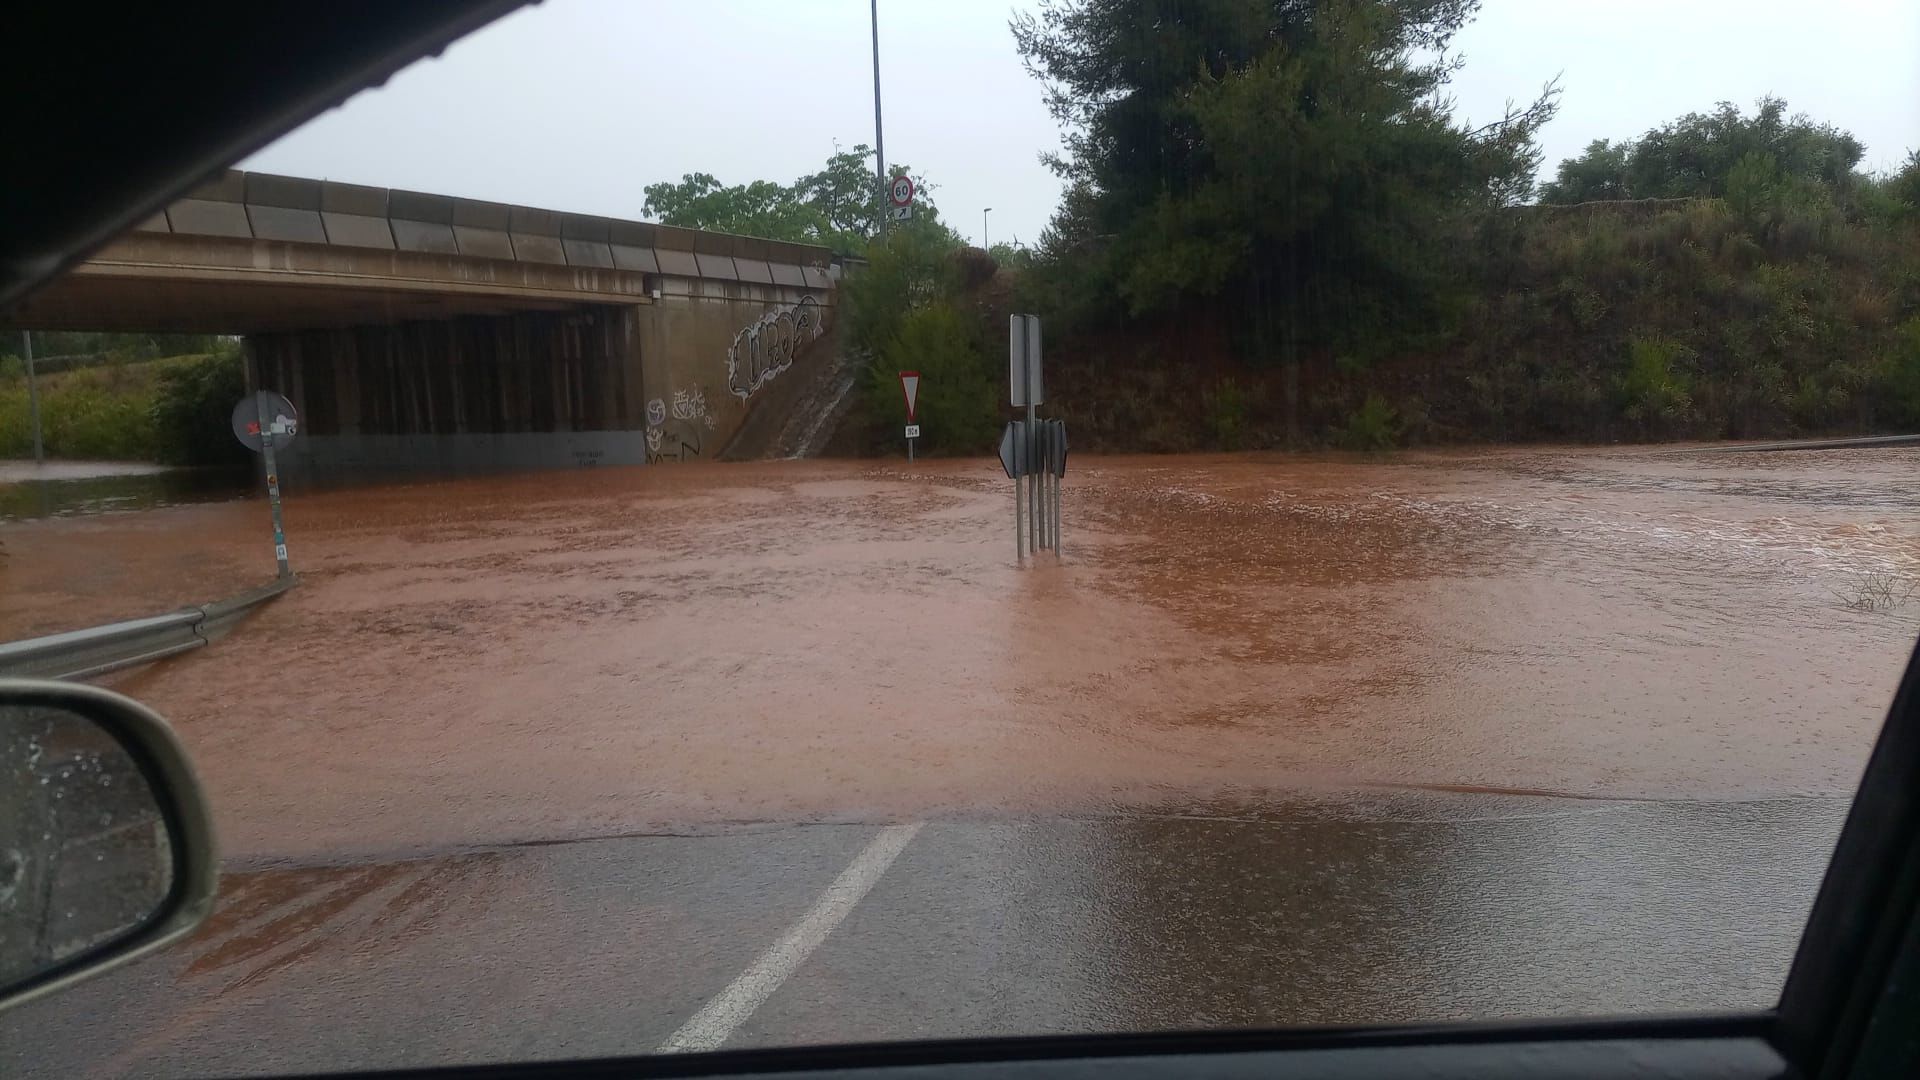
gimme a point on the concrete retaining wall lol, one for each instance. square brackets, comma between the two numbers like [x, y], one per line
[713, 347]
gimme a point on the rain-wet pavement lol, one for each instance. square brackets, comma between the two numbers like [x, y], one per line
[537, 766]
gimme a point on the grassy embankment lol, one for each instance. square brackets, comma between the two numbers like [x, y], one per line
[173, 409]
[1621, 321]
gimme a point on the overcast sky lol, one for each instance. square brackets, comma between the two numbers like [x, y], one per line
[579, 104]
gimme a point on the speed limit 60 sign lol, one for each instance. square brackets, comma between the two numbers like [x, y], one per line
[901, 190]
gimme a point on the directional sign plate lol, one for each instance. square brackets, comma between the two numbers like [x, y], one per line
[910, 388]
[283, 423]
[900, 213]
[1023, 360]
[1026, 449]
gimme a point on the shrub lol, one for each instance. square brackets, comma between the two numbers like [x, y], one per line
[84, 417]
[96, 413]
[1226, 406]
[1375, 425]
[909, 269]
[1900, 374]
[192, 410]
[956, 406]
[1655, 392]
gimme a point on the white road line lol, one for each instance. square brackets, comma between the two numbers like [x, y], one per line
[711, 1026]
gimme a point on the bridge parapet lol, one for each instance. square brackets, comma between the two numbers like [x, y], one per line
[263, 206]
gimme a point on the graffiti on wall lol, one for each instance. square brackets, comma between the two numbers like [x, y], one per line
[764, 348]
[692, 405]
[673, 441]
[679, 436]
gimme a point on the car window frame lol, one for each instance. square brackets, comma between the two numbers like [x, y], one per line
[1844, 1004]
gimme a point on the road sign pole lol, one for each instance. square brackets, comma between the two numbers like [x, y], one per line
[1056, 516]
[1040, 511]
[1033, 492]
[879, 136]
[1046, 500]
[1039, 500]
[1046, 494]
[33, 394]
[1019, 523]
[273, 484]
[1046, 470]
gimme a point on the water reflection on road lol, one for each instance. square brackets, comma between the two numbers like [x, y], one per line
[1280, 740]
[1446, 907]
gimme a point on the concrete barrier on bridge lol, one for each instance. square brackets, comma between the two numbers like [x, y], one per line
[415, 329]
[262, 206]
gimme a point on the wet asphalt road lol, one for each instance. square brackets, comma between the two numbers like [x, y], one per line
[1383, 909]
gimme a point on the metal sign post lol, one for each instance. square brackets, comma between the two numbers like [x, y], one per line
[264, 423]
[910, 389]
[1043, 432]
[1032, 449]
[1012, 448]
[879, 133]
[33, 395]
[1058, 468]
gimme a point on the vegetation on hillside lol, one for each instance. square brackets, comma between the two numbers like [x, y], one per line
[174, 409]
[1276, 231]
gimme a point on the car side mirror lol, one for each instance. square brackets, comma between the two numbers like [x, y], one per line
[106, 848]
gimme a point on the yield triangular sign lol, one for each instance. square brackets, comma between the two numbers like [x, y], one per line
[910, 386]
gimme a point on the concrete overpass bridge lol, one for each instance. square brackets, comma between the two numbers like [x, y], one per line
[422, 330]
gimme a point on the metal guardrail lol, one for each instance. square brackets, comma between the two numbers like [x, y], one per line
[1861, 442]
[83, 654]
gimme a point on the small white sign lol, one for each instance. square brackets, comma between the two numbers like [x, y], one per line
[913, 431]
[279, 551]
[901, 213]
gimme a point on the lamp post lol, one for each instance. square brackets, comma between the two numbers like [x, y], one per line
[33, 395]
[985, 244]
[879, 141]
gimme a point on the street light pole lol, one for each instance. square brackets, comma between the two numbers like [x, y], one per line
[33, 394]
[985, 244]
[879, 139]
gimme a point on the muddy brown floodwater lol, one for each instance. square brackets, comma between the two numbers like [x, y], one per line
[628, 651]
[537, 766]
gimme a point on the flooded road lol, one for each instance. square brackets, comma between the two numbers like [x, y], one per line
[1279, 740]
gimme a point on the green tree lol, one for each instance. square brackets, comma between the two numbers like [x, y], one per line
[1293, 164]
[1013, 257]
[913, 268]
[1903, 187]
[846, 194]
[762, 208]
[836, 207]
[1696, 155]
[1599, 173]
